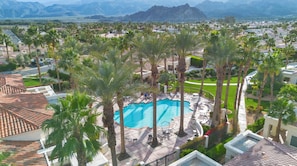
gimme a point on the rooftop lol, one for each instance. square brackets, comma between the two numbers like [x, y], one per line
[266, 152]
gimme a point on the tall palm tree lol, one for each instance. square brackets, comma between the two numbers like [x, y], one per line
[249, 51]
[154, 49]
[73, 129]
[269, 67]
[102, 81]
[52, 39]
[184, 42]
[6, 42]
[218, 49]
[69, 59]
[125, 88]
[37, 42]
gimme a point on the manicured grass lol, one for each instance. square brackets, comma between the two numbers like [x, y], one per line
[214, 80]
[190, 88]
[31, 82]
[254, 103]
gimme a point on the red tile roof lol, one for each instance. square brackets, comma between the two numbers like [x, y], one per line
[16, 120]
[24, 153]
[11, 84]
[20, 112]
[266, 152]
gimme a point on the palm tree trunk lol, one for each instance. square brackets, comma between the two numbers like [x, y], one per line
[216, 118]
[108, 122]
[120, 103]
[7, 51]
[237, 87]
[261, 92]
[173, 65]
[227, 88]
[181, 70]
[141, 69]
[278, 128]
[38, 67]
[165, 64]
[58, 74]
[81, 155]
[154, 84]
[202, 78]
[271, 90]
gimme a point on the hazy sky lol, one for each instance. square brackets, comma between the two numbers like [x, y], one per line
[48, 2]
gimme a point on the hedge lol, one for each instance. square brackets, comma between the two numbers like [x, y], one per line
[63, 76]
[258, 125]
[196, 61]
[8, 67]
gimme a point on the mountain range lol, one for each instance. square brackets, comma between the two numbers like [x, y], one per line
[135, 10]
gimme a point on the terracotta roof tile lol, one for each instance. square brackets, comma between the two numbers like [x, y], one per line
[24, 153]
[266, 152]
[16, 120]
[11, 84]
[31, 101]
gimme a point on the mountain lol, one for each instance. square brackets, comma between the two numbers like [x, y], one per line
[183, 13]
[15, 9]
[249, 9]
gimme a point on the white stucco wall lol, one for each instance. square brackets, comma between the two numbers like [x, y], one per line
[292, 130]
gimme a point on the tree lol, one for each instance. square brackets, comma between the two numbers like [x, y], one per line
[184, 42]
[269, 67]
[249, 50]
[220, 46]
[6, 42]
[104, 81]
[52, 39]
[73, 129]
[283, 109]
[69, 58]
[153, 48]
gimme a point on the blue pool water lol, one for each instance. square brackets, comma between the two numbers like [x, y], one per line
[141, 114]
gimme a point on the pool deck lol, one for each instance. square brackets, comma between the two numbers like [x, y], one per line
[136, 139]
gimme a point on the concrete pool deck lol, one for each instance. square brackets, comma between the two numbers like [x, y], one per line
[136, 139]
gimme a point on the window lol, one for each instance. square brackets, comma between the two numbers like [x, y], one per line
[293, 141]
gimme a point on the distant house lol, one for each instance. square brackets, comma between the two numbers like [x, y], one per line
[21, 117]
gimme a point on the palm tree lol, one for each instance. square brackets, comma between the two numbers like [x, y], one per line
[153, 48]
[6, 42]
[52, 39]
[37, 41]
[105, 81]
[269, 67]
[73, 129]
[125, 88]
[184, 42]
[218, 49]
[283, 109]
[249, 50]
[69, 59]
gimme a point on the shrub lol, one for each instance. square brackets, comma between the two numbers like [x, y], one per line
[258, 125]
[197, 61]
[185, 152]
[63, 76]
[8, 67]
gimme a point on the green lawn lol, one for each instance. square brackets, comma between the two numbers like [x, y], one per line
[31, 82]
[190, 88]
[254, 103]
[214, 80]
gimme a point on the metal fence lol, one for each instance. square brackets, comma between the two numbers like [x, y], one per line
[164, 161]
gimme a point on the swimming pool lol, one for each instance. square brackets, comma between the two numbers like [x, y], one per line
[141, 114]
